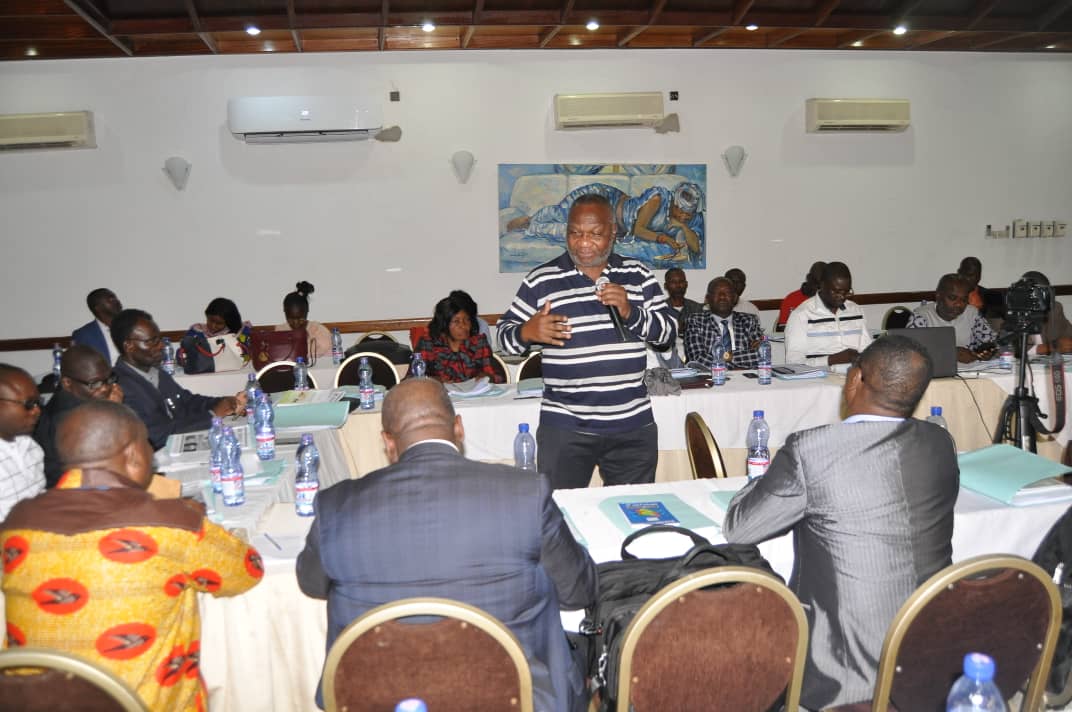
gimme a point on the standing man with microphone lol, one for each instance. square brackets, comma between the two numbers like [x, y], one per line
[593, 311]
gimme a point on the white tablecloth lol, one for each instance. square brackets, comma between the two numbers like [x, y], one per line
[228, 383]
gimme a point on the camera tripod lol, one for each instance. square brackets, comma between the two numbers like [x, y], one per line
[1020, 419]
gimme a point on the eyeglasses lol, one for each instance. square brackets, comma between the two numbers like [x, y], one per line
[111, 380]
[29, 404]
[150, 342]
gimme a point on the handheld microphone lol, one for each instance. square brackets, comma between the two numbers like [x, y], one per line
[615, 315]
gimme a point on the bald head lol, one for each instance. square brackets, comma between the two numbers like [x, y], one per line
[896, 371]
[83, 363]
[103, 434]
[418, 409]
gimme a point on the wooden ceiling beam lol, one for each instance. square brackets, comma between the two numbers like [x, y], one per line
[906, 9]
[824, 10]
[292, 20]
[853, 37]
[1001, 40]
[549, 35]
[191, 10]
[740, 9]
[982, 9]
[1053, 12]
[784, 37]
[656, 9]
[933, 37]
[381, 33]
[88, 14]
[703, 39]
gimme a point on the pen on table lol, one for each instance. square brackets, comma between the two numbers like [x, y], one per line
[273, 541]
[527, 397]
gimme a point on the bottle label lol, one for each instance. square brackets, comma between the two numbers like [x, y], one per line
[215, 472]
[764, 372]
[718, 374]
[368, 398]
[757, 466]
[266, 445]
[234, 489]
[304, 495]
[336, 355]
[1006, 360]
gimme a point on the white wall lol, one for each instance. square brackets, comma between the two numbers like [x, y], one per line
[989, 142]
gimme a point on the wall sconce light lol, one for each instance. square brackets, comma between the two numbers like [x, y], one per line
[734, 157]
[178, 171]
[462, 161]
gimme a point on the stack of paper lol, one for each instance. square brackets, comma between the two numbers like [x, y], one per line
[797, 371]
[312, 415]
[470, 388]
[530, 387]
[1014, 476]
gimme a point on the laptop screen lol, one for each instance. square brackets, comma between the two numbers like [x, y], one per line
[940, 343]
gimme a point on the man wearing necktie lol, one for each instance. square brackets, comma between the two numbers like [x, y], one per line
[721, 331]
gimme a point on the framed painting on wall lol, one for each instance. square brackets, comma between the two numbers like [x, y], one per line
[659, 211]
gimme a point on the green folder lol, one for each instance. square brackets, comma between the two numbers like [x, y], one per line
[686, 516]
[722, 498]
[1002, 471]
[311, 415]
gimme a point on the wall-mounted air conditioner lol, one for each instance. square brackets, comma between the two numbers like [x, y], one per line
[589, 111]
[302, 119]
[66, 129]
[826, 115]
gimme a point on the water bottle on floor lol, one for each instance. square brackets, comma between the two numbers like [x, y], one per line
[524, 448]
[232, 477]
[417, 367]
[301, 375]
[336, 346]
[975, 691]
[306, 477]
[365, 386]
[252, 389]
[264, 422]
[758, 452]
[168, 364]
[215, 454]
[764, 367]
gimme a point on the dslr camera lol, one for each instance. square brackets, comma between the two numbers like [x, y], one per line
[1027, 302]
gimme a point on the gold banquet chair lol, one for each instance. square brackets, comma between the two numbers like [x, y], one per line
[278, 376]
[531, 367]
[500, 367]
[466, 660]
[704, 454]
[384, 372]
[681, 653]
[1004, 606]
[64, 683]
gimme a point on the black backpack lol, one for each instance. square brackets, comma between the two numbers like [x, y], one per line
[1055, 552]
[626, 585]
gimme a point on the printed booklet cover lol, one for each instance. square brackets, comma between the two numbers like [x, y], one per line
[647, 513]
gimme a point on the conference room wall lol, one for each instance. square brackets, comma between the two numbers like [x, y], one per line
[384, 230]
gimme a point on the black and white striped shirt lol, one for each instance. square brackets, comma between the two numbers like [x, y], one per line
[593, 383]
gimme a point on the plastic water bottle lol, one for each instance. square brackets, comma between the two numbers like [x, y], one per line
[1006, 359]
[764, 369]
[975, 691]
[718, 365]
[252, 390]
[336, 346]
[306, 476]
[57, 357]
[758, 452]
[168, 364]
[301, 375]
[524, 448]
[232, 476]
[264, 422]
[215, 454]
[936, 417]
[411, 705]
[417, 367]
[365, 387]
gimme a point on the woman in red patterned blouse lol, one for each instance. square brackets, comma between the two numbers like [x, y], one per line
[453, 350]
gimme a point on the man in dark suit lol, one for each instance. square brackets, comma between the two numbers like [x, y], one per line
[436, 524]
[733, 335]
[84, 375]
[104, 305]
[870, 504]
[162, 404]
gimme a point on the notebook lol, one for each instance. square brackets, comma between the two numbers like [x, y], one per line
[940, 342]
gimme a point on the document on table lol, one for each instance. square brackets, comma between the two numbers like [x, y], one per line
[1013, 476]
[685, 515]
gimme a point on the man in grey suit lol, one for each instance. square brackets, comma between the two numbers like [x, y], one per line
[433, 523]
[870, 504]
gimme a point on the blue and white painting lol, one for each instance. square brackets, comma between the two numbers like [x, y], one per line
[659, 210]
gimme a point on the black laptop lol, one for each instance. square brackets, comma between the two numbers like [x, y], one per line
[940, 343]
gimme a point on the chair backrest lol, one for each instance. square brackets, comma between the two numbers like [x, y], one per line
[735, 648]
[416, 333]
[532, 367]
[376, 336]
[64, 682]
[896, 318]
[383, 371]
[465, 660]
[1004, 606]
[279, 376]
[704, 455]
[500, 367]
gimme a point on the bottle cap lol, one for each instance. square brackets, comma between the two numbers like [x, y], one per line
[216, 420]
[936, 410]
[306, 438]
[411, 705]
[979, 667]
[522, 427]
[757, 414]
[364, 360]
[300, 359]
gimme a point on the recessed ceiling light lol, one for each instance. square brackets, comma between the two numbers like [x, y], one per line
[1047, 47]
[858, 43]
[31, 52]
[592, 25]
[428, 27]
[751, 28]
[269, 47]
[900, 30]
[252, 30]
[575, 41]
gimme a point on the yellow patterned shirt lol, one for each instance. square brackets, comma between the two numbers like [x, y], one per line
[111, 574]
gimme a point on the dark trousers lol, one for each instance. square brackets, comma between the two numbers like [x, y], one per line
[568, 457]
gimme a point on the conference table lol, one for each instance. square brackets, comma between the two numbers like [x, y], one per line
[264, 650]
